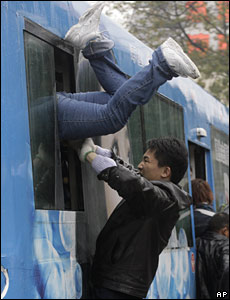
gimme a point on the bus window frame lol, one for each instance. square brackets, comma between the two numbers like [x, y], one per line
[53, 40]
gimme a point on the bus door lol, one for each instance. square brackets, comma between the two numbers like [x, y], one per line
[197, 157]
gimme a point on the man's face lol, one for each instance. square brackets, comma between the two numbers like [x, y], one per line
[149, 168]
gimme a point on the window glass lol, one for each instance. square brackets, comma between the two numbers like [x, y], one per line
[220, 159]
[41, 101]
[70, 164]
[72, 178]
[86, 79]
[161, 117]
[136, 137]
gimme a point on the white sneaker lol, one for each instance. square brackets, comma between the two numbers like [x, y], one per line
[177, 60]
[87, 27]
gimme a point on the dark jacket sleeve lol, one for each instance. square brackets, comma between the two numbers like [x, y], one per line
[137, 190]
[223, 256]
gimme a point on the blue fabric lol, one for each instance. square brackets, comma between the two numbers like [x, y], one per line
[91, 114]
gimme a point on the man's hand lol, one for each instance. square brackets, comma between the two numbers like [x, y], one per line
[87, 147]
[98, 162]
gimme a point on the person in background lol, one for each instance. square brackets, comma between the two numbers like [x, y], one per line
[212, 262]
[139, 228]
[202, 200]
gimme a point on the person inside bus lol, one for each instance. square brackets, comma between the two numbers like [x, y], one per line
[203, 209]
[137, 231]
[82, 115]
[212, 262]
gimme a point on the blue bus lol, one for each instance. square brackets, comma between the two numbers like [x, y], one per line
[51, 216]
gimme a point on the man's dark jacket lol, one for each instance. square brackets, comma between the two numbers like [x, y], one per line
[212, 266]
[128, 247]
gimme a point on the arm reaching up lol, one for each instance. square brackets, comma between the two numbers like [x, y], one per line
[94, 155]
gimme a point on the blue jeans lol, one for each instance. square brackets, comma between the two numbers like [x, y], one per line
[83, 115]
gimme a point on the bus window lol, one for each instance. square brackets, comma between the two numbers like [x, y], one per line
[70, 163]
[57, 173]
[86, 79]
[197, 161]
[161, 117]
[64, 71]
[137, 140]
[220, 159]
[72, 179]
[41, 102]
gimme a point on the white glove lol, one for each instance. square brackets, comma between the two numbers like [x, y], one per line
[87, 147]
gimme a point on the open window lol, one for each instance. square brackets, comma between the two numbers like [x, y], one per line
[197, 161]
[70, 163]
[57, 175]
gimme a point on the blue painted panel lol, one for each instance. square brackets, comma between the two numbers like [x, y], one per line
[58, 274]
[37, 247]
[18, 205]
[210, 175]
[175, 277]
[16, 162]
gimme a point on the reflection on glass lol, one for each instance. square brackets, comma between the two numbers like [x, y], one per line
[40, 89]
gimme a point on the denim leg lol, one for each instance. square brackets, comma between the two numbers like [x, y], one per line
[101, 59]
[138, 90]
[80, 119]
[92, 97]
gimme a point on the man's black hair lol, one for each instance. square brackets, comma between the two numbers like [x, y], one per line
[218, 222]
[170, 152]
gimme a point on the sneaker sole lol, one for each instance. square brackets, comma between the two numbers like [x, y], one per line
[85, 26]
[171, 44]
